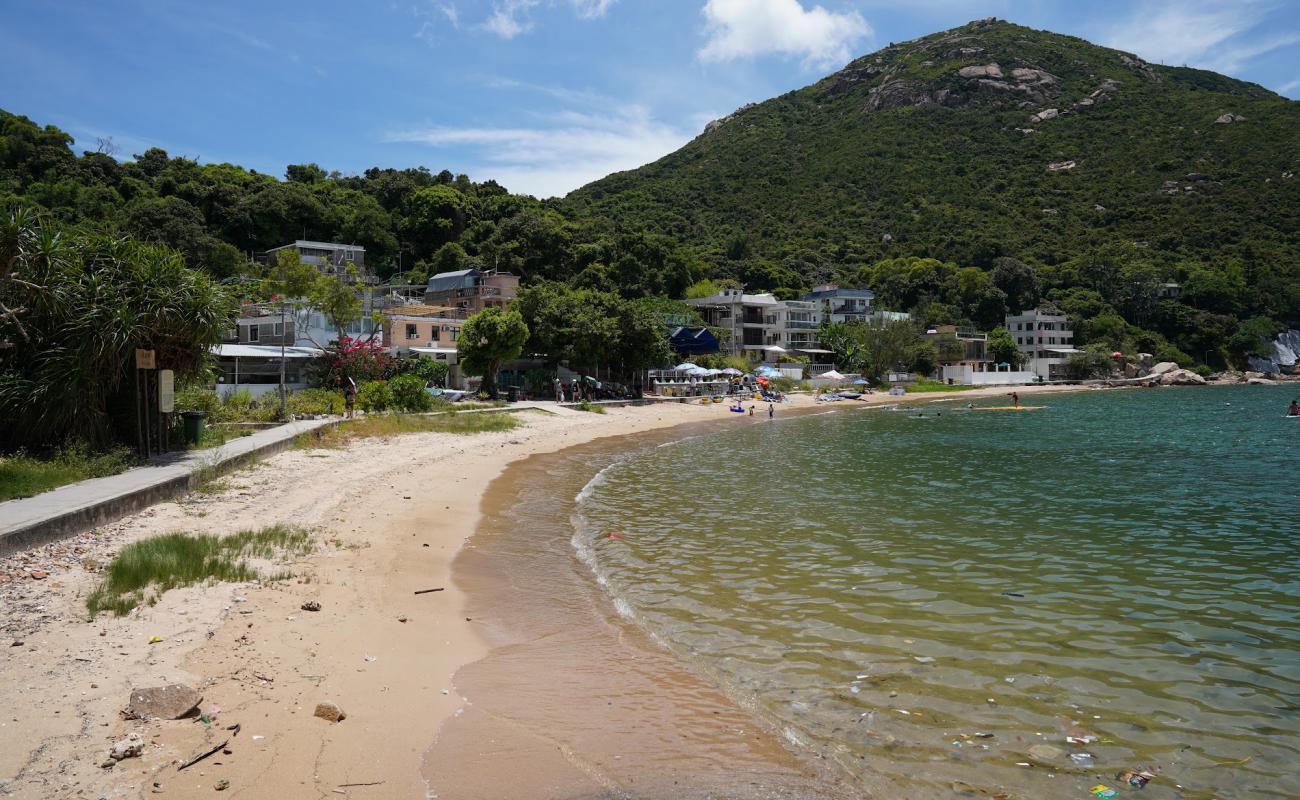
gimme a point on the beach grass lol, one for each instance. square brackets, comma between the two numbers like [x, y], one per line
[146, 569]
[587, 405]
[382, 425]
[22, 475]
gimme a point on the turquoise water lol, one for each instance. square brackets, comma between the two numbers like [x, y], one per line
[944, 600]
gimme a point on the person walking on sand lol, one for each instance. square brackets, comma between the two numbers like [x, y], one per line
[771, 411]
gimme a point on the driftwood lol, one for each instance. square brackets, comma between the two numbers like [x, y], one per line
[426, 591]
[202, 756]
[372, 783]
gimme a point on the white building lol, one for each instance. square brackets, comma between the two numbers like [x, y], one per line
[1045, 341]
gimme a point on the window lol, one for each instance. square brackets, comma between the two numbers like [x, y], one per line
[433, 333]
[278, 330]
[455, 333]
[253, 331]
[412, 332]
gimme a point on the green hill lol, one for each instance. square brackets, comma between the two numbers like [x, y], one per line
[993, 140]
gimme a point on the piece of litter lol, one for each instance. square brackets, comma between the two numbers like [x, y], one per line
[1023, 764]
[1082, 759]
[904, 711]
[445, 691]
[1134, 778]
[1103, 791]
[372, 658]
[923, 659]
[255, 738]
[855, 689]
[155, 639]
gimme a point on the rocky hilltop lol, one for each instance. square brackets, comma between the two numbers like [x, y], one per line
[985, 140]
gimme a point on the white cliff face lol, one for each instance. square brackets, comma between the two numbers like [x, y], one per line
[1286, 352]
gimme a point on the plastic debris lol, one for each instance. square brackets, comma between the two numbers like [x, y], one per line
[1082, 759]
[1134, 778]
[155, 639]
[1103, 791]
[923, 659]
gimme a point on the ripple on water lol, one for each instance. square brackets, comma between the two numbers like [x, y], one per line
[1124, 563]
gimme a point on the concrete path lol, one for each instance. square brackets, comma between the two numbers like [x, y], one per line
[78, 507]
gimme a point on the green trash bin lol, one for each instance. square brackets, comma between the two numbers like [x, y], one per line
[193, 422]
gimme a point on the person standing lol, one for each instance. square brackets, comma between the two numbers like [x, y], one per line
[1015, 399]
[349, 397]
[771, 411]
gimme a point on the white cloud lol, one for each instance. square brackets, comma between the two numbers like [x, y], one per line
[747, 28]
[592, 9]
[509, 18]
[567, 150]
[1202, 33]
[1288, 87]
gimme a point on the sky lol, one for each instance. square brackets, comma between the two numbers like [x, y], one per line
[543, 96]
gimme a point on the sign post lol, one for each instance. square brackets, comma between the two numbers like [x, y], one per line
[144, 363]
[166, 402]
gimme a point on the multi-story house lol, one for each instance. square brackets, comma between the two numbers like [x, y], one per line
[1045, 340]
[470, 290]
[331, 258]
[753, 321]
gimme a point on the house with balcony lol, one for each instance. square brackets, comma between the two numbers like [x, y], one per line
[751, 320]
[331, 258]
[265, 324]
[1045, 340]
[471, 290]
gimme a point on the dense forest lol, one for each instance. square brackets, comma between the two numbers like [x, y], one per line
[933, 172]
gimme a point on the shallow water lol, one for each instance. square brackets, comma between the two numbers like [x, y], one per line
[1118, 565]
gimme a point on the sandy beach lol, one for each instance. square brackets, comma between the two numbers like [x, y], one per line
[388, 517]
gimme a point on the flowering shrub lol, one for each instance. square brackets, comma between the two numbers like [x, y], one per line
[353, 358]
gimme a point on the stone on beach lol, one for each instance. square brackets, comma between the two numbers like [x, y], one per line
[1181, 377]
[130, 747]
[330, 711]
[163, 702]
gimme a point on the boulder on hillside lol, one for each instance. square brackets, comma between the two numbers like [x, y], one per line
[1045, 114]
[1162, 368]
[1181, 377]
[1229, 118]
[163, 702]
[981, 71]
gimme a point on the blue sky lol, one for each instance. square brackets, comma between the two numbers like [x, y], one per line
[542, 95]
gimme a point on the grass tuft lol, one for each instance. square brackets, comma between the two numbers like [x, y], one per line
[587, 405]
[144, 570]
[380, 425]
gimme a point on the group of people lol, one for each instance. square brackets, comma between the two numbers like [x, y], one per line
[739, 408]
[575, 392]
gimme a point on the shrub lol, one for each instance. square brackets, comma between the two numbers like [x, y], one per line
[783, 384]
[196, 398]
[408, 393]
[374, 396]
[428, 369]
[316, 401]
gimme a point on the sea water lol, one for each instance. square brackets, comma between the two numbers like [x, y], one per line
[994, 603]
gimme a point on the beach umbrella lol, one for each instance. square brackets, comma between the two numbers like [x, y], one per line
[831, 376]
[861, 382]
[731, 371]
[686, 365]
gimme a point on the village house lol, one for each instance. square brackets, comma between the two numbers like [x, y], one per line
[1045, 340]
[469, 291]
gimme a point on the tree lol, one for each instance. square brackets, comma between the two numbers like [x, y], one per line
[1018, 281]
[886, 345]
[843, 340]
[490, 338]
[336, 299]
[89, 301]
[1002, 347]
[923, 358]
